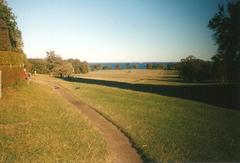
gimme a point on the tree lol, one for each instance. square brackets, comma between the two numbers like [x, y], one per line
[12, 37]
[97, 67]
[105, 67]
[128, 66]
[193, 69]
[38, 65]
[79, 67]
[84, 67]
[226, 27]
[135, 66]
[53, 60]
[159, 66]
[63, 70]
[149, 66]
[117, 67]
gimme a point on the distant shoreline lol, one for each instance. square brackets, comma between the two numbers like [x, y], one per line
[140, 65]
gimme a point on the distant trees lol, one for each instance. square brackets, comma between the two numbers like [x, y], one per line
[128, 66]
[97, 67]
[226, 27]
[105, 67]
[55, 65]
[11, 37]
[135, 66]
[39, 65]
[117, 67]
[149, 66]
[193, 69]
[79, 67]
[65, 69]
[159, 66]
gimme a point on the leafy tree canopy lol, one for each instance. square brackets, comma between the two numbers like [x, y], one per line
[9, 29]
[226, 27]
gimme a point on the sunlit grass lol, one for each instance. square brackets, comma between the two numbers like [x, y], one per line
[167, 128]
[37, 125]
[136, 76]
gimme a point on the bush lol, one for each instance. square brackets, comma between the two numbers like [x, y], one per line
[12, 58]
[193, 69]
[63, 70]
[38, 65]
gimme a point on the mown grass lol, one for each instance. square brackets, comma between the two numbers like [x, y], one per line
[136, 76]
[167, 128]
[37, 125]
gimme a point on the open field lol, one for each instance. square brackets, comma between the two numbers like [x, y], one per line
[165, 83]
[165, 128]
[37, 125]
[135, 76]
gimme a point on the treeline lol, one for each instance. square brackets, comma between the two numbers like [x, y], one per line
[53, 64]
[119, 66]
[225, 65]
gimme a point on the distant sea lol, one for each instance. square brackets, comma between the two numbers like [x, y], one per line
[140, 65]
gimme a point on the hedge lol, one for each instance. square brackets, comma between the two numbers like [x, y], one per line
[11, 65]
[12, 58]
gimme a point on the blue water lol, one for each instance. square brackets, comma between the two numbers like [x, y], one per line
[139, 65]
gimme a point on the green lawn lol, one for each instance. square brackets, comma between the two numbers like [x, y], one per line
[167, 128]
[37, 125]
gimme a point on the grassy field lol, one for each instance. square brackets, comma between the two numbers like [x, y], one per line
[166, 128]
[37, 125]
[166, 83]
[135, 76]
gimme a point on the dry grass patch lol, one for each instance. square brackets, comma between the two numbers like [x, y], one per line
[37, 125]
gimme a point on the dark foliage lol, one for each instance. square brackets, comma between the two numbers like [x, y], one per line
[117, 67]
[128, 66]
[149, 66]
[226, 27]
[96, 67]
[11, 37]
[193, 69]
[135, 66]
[38, 65]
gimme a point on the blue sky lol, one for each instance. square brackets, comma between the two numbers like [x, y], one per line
[117, 30]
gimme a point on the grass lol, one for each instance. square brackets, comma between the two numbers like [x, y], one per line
[166, 128]
[135, 76]
[37, 125]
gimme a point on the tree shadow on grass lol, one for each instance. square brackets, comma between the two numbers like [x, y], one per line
[223, 95]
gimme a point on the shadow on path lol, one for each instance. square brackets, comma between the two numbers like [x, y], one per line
[223, 95]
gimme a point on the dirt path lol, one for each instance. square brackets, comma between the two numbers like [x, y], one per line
[118, 145]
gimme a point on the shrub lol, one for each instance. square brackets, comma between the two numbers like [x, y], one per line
[38, 65]
[12, 58]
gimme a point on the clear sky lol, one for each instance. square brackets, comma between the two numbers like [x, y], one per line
[117, 30]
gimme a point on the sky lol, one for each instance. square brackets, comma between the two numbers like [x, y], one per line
[117, 30]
